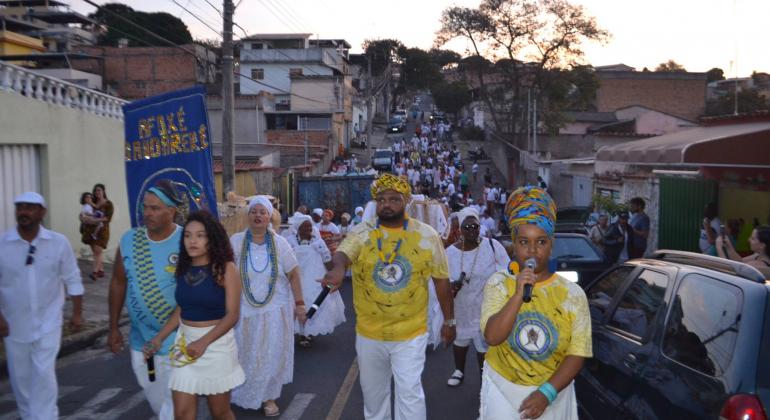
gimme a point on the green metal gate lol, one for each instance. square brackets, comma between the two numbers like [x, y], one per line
[681, 211]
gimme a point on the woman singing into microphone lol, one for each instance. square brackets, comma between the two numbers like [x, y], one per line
[537, 348]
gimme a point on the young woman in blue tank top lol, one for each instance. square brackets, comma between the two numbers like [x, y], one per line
[208, 293]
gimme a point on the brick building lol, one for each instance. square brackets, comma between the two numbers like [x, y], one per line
[680, 94]
[139, 72]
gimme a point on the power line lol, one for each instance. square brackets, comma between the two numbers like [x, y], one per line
[291, 17]
[214, 7]
[269, 7]
[196, 17]
[140, 27]
[192, 53]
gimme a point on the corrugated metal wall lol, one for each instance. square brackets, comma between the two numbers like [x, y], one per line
[340, 194]
[681, 211]
[19, 172]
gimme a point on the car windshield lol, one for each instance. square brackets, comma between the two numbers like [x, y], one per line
[573, 214]
[395, 120]
[574, 249]
[382, 154]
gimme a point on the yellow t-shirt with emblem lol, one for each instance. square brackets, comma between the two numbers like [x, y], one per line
[391, 300]
[554, 324]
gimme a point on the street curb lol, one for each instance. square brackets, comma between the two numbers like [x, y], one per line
[72, 343]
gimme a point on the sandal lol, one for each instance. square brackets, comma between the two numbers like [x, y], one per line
[456, 379]
[93, 276]
[271, 409]
[305, 341]
[100, 273]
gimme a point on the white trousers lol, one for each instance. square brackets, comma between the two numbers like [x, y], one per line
[378, 361]
[501, 399]
[158, 393]
[32, 370]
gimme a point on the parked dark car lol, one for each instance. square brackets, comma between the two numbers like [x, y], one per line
[570, 227]
[678, 335]
[578, 259]
[396, 125]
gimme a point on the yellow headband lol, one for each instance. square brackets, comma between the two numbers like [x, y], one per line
[391, 182]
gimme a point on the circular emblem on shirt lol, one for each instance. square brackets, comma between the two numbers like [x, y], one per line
[173, 259]
[392, 277]
[534, 336]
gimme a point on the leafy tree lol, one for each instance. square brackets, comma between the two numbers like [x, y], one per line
[382, 52]
[443, 58]
[749, 101]
[451, 97]
[419, 70]
[161, 23]
[535, 38]
[670, 66]
[715, 74]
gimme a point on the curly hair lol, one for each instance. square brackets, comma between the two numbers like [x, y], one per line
[219, 249]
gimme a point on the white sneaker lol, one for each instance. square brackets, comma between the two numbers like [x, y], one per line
[456, 379]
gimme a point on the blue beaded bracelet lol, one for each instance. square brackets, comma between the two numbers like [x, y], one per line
[549, 391]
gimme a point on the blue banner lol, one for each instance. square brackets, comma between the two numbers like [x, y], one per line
[168, 143]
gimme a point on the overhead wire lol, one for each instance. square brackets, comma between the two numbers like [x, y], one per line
[196, 17]
[289, 15]
[192, 53]
[215, 8]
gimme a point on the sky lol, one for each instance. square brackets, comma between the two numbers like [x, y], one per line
[699, 34]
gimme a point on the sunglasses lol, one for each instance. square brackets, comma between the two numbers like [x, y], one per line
[31, 254]
[471, 226]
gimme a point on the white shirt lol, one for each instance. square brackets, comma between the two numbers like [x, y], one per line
[475, 168]
[32, 296]
[490, 224]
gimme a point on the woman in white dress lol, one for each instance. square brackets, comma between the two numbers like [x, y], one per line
[472, 260]
[316, 259]
[272, 298]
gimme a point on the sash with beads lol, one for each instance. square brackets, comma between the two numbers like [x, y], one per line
[157, 305]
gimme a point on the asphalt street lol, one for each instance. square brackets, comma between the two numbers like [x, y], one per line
[95, 384]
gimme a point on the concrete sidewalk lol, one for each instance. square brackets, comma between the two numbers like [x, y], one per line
[95, 315]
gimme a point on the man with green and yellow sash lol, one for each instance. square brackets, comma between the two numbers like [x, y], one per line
[392, 260]
[143, 279]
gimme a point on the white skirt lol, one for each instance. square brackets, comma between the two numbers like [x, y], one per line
[332, 310]
[216, 372]
[501, 399]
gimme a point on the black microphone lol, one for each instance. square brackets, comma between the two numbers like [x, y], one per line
[318, 301]
[530, 263]
[151, 368]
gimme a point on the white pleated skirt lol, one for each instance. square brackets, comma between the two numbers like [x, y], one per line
[216, 372]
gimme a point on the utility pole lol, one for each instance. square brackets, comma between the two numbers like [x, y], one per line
[228, 101]
[369, 111]
[387, 94]
[306, 141]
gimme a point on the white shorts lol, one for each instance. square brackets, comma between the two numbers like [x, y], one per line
[479, 343]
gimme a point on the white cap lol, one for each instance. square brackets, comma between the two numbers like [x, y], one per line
[30, 197]
[359, 210]
[318, 212]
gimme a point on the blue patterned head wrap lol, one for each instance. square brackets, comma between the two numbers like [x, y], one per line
[533, 206]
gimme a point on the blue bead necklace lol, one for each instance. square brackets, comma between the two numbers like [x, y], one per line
[272, 262]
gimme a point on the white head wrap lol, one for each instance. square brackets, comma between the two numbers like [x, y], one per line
[468, 212]
[358, 210]
[318, 212]
[263, 201]
[297, 220]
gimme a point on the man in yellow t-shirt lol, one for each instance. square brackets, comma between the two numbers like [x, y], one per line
[392, 259]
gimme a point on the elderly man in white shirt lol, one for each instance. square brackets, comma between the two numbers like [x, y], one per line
[36, 266]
